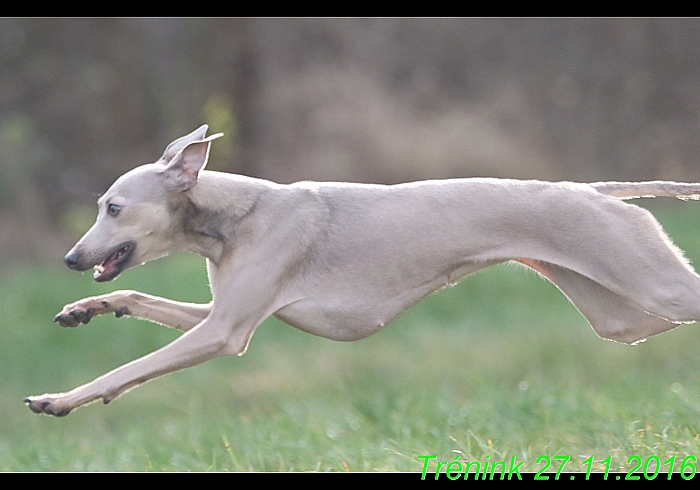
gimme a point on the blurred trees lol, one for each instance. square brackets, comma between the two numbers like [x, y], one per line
[380, 100]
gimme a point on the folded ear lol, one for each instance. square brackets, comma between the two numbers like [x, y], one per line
[184, 158]
[183, 141]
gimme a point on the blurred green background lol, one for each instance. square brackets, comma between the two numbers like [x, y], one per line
[499, 365]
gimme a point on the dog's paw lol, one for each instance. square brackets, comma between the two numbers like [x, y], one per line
[72, 316]
[46, 404]
[82, 311]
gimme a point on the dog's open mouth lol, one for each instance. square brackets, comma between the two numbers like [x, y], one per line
[114, 264]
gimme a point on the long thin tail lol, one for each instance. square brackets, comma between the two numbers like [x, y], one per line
[654, 188]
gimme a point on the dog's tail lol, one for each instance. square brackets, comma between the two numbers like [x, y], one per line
[654, 188]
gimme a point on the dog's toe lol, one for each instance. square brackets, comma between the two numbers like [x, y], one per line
[33, 407]
[82, 316]
[65, 320]
[36, 406]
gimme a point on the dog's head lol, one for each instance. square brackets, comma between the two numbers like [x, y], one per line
[135, 222]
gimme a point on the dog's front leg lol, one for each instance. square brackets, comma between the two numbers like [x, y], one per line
[176, 314]
[248, 298]
[209, 339]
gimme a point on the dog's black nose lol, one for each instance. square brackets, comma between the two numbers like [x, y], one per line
[71, 260]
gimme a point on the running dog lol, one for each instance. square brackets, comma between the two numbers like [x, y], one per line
[342, 260]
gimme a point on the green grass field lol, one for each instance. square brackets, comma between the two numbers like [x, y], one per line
[499, 366]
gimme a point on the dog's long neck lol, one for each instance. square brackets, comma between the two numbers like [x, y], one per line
[210, 211]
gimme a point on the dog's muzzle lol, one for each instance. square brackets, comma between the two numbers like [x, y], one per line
[106, 267]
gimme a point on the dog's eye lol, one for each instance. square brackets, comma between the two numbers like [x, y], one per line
[113, 209]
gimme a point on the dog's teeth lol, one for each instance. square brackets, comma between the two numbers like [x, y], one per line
[99, 268]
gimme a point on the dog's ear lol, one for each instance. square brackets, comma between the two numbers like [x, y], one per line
[184, 158]
[183, 141]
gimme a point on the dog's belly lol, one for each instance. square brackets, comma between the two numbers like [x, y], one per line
[338, 320]
[357, 310]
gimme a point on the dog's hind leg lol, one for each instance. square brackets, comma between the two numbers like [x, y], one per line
[176, 314]
[612, 316]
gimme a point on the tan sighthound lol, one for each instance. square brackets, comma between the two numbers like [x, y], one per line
[342, 260]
